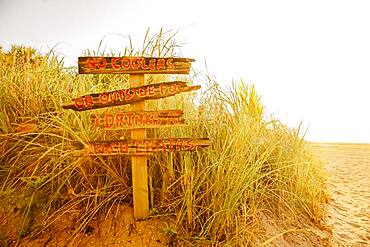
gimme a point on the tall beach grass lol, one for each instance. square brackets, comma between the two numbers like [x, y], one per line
[255, 166]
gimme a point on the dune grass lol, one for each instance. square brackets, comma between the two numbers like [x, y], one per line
[255, 165]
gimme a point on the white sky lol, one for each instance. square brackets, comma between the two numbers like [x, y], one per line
[309, 60]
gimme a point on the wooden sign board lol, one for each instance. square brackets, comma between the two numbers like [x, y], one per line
[138, 120]
[133, 65]
[145, 146]
[129, 95]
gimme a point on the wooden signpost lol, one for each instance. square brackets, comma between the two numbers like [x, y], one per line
[138, 119]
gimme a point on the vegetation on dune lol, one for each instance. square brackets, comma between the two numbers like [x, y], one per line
[256, 164]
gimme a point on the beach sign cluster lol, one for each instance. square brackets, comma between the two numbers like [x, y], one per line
[137, 120]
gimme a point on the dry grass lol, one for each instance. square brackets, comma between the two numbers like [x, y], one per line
[256, 164]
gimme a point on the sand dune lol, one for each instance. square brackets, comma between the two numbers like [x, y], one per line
[348, 166]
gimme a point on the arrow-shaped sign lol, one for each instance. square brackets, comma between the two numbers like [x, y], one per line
[134, 65]
[138, 120]
[129, 95]
[144, 146]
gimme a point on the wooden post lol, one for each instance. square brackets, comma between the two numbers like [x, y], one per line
[139, 163]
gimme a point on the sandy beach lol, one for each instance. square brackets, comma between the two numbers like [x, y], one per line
[348, 167]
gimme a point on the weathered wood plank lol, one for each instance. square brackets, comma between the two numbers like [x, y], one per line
[138, 120]
[133, 65]
[144, 146]
[129, 95]
[139, 163]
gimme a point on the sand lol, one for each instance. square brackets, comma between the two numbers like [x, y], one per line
[348, 167]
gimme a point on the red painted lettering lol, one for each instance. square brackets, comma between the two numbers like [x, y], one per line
[160, 64]
[151, 91]
[142, 92]
[138, 120]
[162, 88]
[114, 63]
[169, 64]
[79, 103]
[190, 145]
[160, 146]
[142, 146]
[133, 147]
[130, 118]
[172, 147]
[108, 120]
[129, 94]
[172, 118]
[156, 119]
[152, 63]
[172, 88]
[134, 92]
[121, 95]
[125, 63]
[106, 149]
[113, 96]
[95, 120]
[124, 147]
[180, 87]
[104, 98]
[89, 100]
[179, 144]
[96, 148]
[143, 64]
[120, 120]
[102, 63]
[149, 146]
[90, 63]
[115, 148]
[135, 63]
[149, 118]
